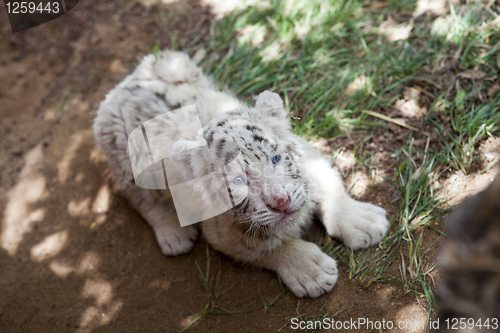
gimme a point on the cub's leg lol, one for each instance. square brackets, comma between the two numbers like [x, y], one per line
[357, 224]
[301, 265]
[161, 216]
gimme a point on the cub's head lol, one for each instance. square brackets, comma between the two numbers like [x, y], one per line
[259, 161]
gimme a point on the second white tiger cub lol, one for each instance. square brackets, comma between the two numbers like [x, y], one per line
[287, 180]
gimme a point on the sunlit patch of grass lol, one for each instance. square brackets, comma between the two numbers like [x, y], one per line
[310, 52]
[468, 127]
[455, 25]
[401, 257]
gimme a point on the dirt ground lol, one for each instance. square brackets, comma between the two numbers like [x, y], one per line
[75, 257]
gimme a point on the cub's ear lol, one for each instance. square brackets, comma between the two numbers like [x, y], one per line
[270, 104]
[187, 157]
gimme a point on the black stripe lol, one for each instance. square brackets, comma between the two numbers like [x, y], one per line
[220, 145]
[234, 113]
[264, 153]
[227, 186]
[162, 97]
[210, 138]
[253, 128]
[229, 157]
[245, 209]
[259, 138]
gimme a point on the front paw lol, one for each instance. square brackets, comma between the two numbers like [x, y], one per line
[306, 270]
[176, 241]
[357, 224]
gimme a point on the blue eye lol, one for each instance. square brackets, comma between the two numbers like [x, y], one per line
[276, 159]
[238, 180]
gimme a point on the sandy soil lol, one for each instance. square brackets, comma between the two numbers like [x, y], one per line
[74, 257]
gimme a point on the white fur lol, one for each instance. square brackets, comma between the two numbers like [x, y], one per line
[171, 80]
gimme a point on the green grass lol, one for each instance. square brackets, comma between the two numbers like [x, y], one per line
[329, 61]
[312, 51]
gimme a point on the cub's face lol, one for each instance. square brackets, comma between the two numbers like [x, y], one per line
[264, 175]
[259, 160]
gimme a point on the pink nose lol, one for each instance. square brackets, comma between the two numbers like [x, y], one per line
[279, 203]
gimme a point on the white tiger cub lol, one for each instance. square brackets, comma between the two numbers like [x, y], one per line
[265, 228]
